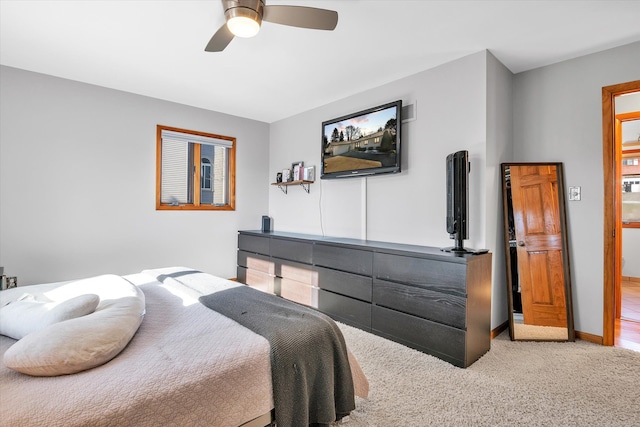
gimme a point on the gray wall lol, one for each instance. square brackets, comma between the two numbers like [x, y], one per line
[408, 207]
[558, 117]
[461, 105]
[499, 150]
[77, 183]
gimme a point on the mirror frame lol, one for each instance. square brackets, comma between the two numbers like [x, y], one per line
[565, 248]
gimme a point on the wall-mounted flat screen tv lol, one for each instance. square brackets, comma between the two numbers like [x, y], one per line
[362, 143]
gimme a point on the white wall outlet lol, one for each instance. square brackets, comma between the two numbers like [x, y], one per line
[575, 193]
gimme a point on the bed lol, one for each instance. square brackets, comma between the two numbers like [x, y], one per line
[185, 365]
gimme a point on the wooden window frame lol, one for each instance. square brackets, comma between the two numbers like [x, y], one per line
[619, 119]
[196, 206]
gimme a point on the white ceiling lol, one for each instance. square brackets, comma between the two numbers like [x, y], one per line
[156, 48]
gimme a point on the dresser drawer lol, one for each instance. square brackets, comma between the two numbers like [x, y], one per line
[241, 274]
[442, 341]
[299, 292]
[256, 262]
[349, 284]
[256, 244]
[345, 259]
[422, 272]
[296, 271]
[426, 303]
[344, 309]
[260, 281]
[295, 250]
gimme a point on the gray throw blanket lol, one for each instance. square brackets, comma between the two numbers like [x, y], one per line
[311, 377]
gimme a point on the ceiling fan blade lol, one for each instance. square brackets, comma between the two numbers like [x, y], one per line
[301, 16]
[220, 39]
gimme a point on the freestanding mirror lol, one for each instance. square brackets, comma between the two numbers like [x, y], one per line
[537, 253]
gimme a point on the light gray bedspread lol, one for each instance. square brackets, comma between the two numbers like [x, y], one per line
[186, 365]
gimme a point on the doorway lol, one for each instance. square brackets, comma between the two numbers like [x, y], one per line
[612, 202]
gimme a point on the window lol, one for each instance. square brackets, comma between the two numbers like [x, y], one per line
[631, 197]
[628, 140]
[185, 158]
[630, 189]
[205, 175]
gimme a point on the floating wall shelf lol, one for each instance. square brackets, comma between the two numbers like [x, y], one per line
[285, 185]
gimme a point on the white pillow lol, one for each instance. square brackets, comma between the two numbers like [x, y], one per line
[84, 342]
[20, 318]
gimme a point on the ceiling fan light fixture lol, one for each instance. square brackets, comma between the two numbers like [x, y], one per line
[243, 21]
[242, 26]
[243, 18]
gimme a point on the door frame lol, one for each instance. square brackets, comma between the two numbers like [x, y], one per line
[612, 226]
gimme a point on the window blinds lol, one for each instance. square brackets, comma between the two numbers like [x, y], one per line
[176, 179]
[175, 176]
[170, 135]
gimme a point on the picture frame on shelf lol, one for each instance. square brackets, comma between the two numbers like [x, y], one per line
[297, 170]
[309, 173]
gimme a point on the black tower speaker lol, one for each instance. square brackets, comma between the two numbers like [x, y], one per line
[266, 224]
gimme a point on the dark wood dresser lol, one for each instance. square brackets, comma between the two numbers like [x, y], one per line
[436, 302]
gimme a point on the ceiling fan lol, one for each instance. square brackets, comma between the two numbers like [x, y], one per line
[244, 18]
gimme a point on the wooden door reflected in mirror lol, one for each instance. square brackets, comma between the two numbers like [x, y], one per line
[536, 249]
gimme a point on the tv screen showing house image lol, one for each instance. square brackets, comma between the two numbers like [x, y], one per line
[363, 143]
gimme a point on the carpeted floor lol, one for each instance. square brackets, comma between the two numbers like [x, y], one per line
[515, 383]
[533, 332]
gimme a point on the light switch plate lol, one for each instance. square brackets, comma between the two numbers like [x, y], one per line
[575, 193]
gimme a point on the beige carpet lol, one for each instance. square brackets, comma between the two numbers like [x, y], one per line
[533, 332]
[514, 384]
